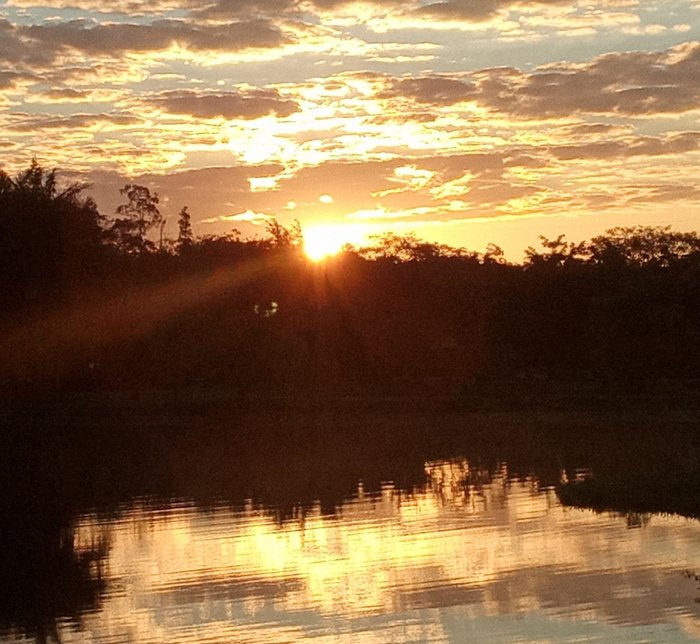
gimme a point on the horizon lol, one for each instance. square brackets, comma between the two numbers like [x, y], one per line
[463, 123]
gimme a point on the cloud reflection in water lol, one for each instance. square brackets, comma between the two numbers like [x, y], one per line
[466, 555]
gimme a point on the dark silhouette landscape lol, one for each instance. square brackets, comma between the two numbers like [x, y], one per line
[95, 302]
[218, 367]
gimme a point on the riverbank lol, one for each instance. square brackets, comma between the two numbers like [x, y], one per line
[516, 395]
[88, 450]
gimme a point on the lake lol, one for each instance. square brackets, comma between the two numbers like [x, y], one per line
[261, 540]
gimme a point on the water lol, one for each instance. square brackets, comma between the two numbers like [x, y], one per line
[465, 554]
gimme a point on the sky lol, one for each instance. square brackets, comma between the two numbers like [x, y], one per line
[463, 121]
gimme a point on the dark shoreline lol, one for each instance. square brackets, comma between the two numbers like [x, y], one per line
[649, 497]
[89, 450]
[497, 395]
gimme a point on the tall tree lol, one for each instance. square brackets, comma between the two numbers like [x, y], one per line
[135, 218]
[185, 237]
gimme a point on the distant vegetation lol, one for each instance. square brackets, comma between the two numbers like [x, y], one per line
[96, 302]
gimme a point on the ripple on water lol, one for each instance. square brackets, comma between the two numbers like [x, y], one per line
[500, 559]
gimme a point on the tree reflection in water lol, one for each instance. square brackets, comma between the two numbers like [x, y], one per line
[465, 548]
[47, 582]
[385, 546]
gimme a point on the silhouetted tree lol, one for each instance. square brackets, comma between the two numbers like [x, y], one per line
[642, 246]
[50, 234]
[185, 237]
[557, 252]
[135, 218]
[493, 254]
[284, 236]
[401, 313]
[407, 248]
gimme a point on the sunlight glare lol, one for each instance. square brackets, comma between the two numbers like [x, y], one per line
[328, 239]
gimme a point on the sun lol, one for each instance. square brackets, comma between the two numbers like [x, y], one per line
[324, 240]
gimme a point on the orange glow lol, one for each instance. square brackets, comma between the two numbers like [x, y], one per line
[504, 548]
[325, 240]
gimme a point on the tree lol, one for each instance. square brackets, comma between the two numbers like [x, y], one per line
[284, 237]
[398, 249]
[185, 237]
[643, 245]
[50, 234]
[558, 252]
[493, 254]
[135, 218]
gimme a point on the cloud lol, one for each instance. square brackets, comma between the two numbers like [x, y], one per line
[460, 10]
[11, 79]
[44, 43]
[12, 48]
[248, 104]
[248, 217]
[439, 90]
[226, 188]
[116, 37]
[66, 94]
[368, 186]
[678, 143]
[34, 123]
[58, 95]
[507, 20]
[107, 6]
[226, 10]
[145, 91]
[513, 18]
[659, 193]
[398, 13]
[93, 75]
[628, 83]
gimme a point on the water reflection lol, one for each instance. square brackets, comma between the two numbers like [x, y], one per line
[469, 554]
[48, 581]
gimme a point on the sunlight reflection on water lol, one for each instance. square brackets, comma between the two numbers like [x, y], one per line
[467, 556]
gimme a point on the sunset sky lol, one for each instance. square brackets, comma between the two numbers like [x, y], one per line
[465, 121]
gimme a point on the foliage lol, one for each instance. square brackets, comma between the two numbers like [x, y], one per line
[493, 255]
[89, 304]
[185, 236]
[50, 234]
[408, 248]
[558, 252]
[135, 219]
[280, 236]
[643, 246]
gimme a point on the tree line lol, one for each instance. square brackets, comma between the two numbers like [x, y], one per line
[97, 302]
